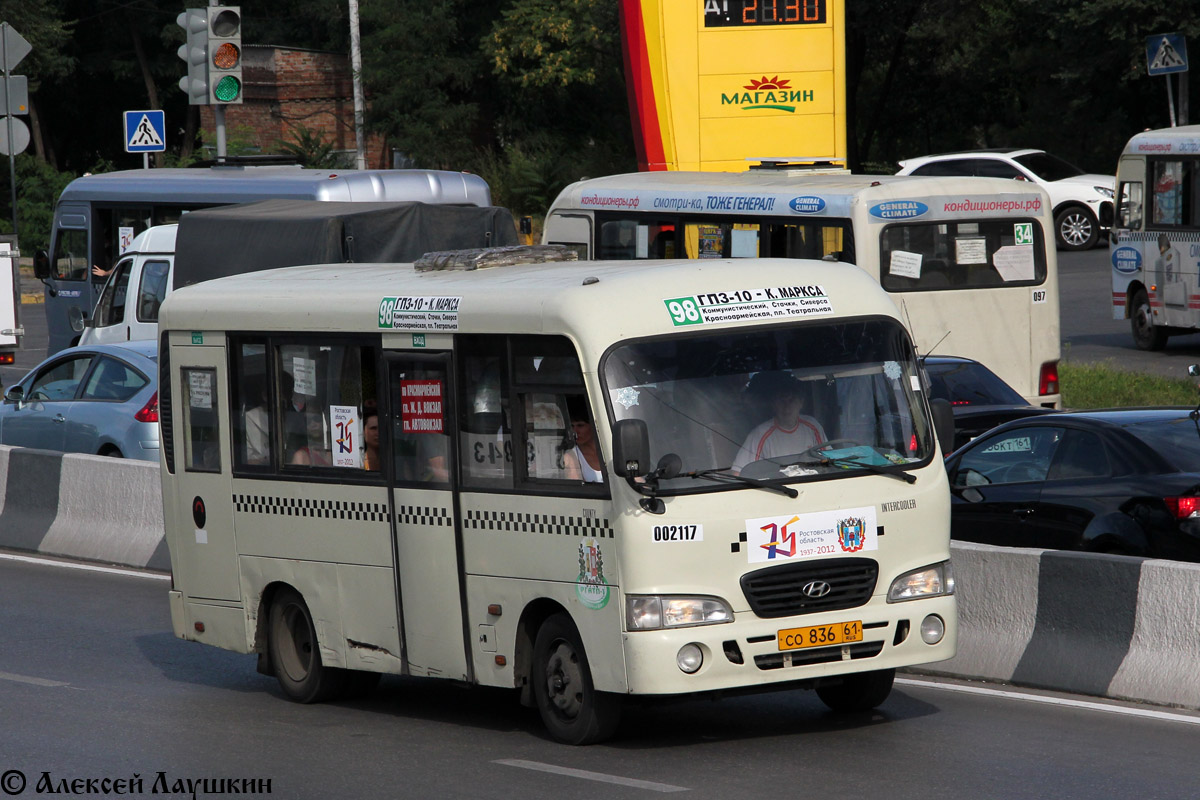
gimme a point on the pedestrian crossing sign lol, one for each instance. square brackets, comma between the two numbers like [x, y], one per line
[145, 132]
[1166, 53]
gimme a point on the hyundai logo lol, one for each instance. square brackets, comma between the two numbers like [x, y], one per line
[815, 589]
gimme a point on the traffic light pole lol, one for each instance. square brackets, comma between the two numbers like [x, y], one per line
[219, 120]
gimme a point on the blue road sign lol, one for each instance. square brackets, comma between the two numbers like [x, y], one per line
[145, 132]
[1166, 53]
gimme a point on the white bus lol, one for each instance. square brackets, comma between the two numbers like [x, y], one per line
[1156, 236]
[584, 481]
[970, 261]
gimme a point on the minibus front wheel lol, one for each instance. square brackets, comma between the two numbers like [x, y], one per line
[571, 708]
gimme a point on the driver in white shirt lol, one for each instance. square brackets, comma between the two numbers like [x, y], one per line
[788, 432]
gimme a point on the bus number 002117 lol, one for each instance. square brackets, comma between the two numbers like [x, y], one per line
[678, 533]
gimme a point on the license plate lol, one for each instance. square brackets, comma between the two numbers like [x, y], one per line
[820, 635]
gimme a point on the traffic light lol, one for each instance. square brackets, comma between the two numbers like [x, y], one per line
[224, 38]
[194, 52]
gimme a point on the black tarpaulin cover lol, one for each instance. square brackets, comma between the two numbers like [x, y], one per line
[230, 240]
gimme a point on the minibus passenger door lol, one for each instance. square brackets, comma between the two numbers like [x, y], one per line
[419, 438]
[207, 560]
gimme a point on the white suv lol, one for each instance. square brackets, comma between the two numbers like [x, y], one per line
[1082, 202]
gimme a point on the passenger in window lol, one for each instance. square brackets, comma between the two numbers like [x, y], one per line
[583, 462]
[310, 449]
[258, 423]
[788, 431]
[371, 439]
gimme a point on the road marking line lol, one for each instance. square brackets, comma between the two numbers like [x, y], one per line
[590, 776]
[8, 676]
[1054, 701]
[133, 573]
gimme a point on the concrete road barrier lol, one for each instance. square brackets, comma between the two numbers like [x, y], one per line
[82, 506]
[1087, 623]
[1109, 626]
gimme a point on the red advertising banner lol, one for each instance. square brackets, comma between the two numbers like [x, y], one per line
[421, 406]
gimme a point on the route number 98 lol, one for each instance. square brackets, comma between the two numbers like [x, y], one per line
[683, 311]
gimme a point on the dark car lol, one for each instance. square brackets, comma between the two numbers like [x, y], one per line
[1125, 481]
[979, 398]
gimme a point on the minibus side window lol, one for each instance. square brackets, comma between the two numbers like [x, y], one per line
[323, 394]
[1129, 205]
[485, 441]
[1172, 194]
[251, 416]
[202, 449]
[548, 382]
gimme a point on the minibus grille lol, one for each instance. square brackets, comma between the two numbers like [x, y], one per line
[820, 655]
[779, 591]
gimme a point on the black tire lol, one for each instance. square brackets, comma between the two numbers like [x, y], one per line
[861, 691]
[571, 708]
[1146, 335]
[295, 654]
[1076, 228]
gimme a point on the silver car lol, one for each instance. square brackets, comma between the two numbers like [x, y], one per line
[100, 399]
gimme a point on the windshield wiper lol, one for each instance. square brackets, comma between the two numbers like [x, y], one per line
[723, 475]
[852, 463]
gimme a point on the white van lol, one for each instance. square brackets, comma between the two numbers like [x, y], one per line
[128, 306]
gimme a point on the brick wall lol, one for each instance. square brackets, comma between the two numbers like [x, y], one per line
[285, 89]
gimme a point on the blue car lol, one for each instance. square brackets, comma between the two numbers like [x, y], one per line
[100, 399]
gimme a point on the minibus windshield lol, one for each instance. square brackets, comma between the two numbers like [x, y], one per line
[810, 401]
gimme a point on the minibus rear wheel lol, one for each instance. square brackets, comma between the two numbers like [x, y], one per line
[861, 691]
[295, 654]
[571, 708]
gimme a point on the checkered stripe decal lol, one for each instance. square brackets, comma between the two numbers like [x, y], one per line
[1152, 236]
[306, 507]
[426, 516]
[553, 524]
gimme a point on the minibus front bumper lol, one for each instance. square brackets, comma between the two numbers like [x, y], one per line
[751, 653]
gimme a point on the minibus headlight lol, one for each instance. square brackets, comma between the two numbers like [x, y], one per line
[928, 581]
[654, 612]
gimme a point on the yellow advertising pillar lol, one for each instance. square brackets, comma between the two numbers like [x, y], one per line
[713, 83]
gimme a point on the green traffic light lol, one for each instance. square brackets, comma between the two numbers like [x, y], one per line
[227, 89]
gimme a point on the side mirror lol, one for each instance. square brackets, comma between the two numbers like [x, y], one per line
[76, 318]
[15, 394]
[631, 448]
[1194, 370]
[41, 265]
[943, 424]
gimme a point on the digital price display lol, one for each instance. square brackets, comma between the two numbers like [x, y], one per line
[737, 13]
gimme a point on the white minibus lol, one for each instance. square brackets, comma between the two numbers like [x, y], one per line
[970, 261]
[1156, 236]
[583, 481]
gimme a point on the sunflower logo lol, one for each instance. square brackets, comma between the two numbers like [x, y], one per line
[768, 83]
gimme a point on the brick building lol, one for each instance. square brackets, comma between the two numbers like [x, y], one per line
[288, 88]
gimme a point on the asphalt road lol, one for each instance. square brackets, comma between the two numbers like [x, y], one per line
[93, 685]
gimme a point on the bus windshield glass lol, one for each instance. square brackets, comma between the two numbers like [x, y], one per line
[802, 402]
